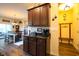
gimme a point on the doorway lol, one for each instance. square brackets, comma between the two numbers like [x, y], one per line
[66, 47]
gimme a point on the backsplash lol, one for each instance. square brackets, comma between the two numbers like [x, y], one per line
[32, 29]
[35, 29]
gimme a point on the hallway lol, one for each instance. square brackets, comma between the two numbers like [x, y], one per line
[67, 50]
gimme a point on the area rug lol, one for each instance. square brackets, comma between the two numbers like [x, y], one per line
[19, 43]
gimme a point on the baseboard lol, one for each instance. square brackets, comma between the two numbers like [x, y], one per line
[76, 48]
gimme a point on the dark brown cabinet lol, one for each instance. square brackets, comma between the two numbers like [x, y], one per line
[25, 44]
[36, 17]
[30, 17]
[39, 16]
[44, 15]
[41, 47]
[32, 46]
[35, 46]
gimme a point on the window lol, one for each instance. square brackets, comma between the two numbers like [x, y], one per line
[4, 28]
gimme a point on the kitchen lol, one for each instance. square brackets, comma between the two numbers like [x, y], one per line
[34, 31]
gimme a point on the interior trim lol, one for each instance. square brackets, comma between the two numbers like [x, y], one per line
[38, 6]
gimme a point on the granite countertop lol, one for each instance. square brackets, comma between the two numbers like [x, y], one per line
[44, 37]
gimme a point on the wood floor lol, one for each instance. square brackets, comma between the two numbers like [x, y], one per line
[11, 49]
[67, 50]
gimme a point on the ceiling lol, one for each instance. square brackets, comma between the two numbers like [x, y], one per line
[65, 6]
[16, 10]
[13, 10]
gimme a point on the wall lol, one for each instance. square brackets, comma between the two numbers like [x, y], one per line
[25, 21]
[54, 44]
[1, 17]
[76, 26]
[69, 14]
[22, 25]
[31, 5]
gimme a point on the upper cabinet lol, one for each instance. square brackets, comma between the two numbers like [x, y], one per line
[36, 17]
[39, 16]
[30, 17]
[44, 15]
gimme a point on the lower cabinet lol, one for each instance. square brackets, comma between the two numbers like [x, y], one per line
[25, 44]
[41, 47]
[32, 46]
[36, 46]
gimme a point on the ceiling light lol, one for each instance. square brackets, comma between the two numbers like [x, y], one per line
[66, 6]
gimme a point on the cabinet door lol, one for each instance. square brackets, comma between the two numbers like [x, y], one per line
[25, 44]
[33, 17]
[30, 17]
[32, 46]
[41, 47]
[36, 16]
[45, 15]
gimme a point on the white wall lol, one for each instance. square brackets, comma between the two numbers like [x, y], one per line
[54, 41]
[76, 26]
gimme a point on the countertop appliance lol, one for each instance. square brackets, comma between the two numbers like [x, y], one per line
[46, 32]
[43, 32]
